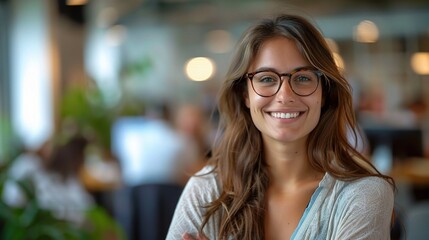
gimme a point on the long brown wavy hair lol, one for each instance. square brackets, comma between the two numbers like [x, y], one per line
[238, 155]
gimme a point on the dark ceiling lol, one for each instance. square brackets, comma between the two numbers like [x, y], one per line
[74, 13]
[210, 10]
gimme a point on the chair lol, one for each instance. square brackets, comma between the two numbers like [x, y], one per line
[154, 206]
[416, 222]
[118, 203]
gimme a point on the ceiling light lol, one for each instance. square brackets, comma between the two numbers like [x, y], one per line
[366, 32]
[420, 63]
[76, 2]
[199, 68]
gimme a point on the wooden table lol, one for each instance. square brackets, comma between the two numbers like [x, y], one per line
[412, 170]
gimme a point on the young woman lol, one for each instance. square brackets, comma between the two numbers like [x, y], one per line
[284, 168]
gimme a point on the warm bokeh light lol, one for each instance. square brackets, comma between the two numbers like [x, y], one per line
[366, 32]
[420, 63]
[76, 2]
[199, 68]
[219, 41]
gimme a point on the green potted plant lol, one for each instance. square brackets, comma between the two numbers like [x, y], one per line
[32, 222]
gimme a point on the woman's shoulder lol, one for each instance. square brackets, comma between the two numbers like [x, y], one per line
[370, 182]
[367, 188]
[204, 184]
[205, 177]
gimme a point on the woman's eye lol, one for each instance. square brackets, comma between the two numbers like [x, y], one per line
[302, 79]
[267, 79]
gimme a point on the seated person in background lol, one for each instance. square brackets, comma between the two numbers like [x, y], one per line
[151, 150]
[191, 123]
[54, 177]
[152, 153]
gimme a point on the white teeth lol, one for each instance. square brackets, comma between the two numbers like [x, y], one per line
[285, 115]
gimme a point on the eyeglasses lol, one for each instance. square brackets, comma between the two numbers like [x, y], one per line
[303, 81]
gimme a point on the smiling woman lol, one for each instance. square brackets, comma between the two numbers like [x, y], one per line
[301, 98]
[283, 167]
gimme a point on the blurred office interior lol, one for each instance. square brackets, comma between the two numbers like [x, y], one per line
[105, 60]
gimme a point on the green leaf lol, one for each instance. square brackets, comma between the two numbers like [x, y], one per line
[29, 215]
[101, 224]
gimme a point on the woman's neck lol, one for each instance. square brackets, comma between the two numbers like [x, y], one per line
[289, 166]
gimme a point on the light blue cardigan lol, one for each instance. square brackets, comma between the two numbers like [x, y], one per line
[360, 209]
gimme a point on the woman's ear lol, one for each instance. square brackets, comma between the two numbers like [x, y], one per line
[246, 99]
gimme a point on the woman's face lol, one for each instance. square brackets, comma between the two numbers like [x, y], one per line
[284, 117]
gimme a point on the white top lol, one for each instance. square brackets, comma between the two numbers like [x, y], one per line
[150, 151]
[360, 209]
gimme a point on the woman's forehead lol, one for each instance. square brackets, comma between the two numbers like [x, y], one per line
[278, 53]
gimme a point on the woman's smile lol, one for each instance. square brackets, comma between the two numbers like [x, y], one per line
[285, 115]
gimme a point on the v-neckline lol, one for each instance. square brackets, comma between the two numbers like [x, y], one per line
[309, 206]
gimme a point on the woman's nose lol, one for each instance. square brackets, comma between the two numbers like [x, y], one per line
[285, 92]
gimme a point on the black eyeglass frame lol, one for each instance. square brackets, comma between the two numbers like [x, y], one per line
[289, 75]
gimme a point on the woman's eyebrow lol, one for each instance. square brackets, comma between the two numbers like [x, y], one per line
[266, 69]
[275, 70]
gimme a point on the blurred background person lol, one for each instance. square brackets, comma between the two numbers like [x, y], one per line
[158, 151]
[191, 122]
[53, 171]
[151, 150]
